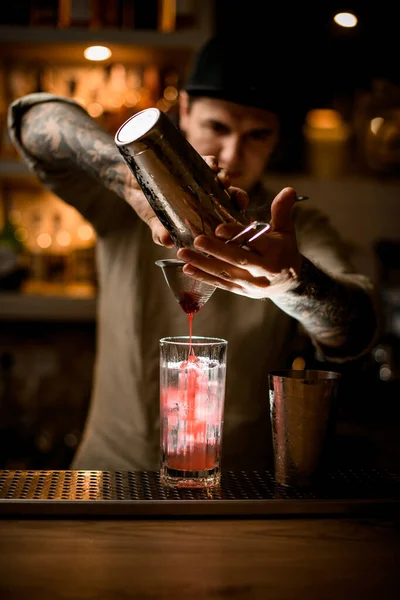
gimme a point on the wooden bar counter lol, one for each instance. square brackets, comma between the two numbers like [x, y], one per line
[289, 558]
[100, 535]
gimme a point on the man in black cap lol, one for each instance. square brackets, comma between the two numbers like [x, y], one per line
[227, 111]
[298, 267]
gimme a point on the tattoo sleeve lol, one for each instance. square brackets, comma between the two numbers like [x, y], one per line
[61, 135]
[338, 313]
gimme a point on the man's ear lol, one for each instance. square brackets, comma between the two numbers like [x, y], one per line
[183, 110]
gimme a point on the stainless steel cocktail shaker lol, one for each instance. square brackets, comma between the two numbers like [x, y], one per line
[181, 188]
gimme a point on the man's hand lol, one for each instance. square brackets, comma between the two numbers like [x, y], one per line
[268, 268]
[135, 197]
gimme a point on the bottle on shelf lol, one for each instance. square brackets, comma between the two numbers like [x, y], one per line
[185, 14]
[13, 269]
[105, 14]
[146, 15]
[38, 241]
[43, 13]
[83, 257]
[74, 13]
[57, 252]
[127, 14]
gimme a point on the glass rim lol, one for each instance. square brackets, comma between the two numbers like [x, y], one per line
[197, 340]
[318, 374]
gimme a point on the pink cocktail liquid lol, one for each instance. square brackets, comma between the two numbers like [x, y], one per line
[192, 408]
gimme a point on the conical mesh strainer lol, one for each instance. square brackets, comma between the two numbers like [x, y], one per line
[189, 293]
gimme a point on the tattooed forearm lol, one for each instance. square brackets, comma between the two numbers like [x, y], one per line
[64, 136]
[339, 316]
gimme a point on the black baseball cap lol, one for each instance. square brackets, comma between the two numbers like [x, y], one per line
[243, 73]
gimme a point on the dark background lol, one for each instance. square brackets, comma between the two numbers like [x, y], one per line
[323, 65]
[332, 60]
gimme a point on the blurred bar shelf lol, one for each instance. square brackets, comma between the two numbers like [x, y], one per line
[64, 43]
[189, 38]
[14, 170]
[73, 303]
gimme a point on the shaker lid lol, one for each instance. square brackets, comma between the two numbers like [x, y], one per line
[137, 126]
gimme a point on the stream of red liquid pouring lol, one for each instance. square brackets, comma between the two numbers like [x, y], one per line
[190, 306]
[195, 460]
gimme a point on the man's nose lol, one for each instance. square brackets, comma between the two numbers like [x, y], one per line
[230, 152]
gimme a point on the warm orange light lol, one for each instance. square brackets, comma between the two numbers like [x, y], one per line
[299, 364]
[163, 105]
[85, 232]
[170, 93]
[95, 109]
[116, 103]
[131, 98]
[376, 124]
[44, 240]
[345, 19]
[324, 118]
[97, 53]
[63, 238]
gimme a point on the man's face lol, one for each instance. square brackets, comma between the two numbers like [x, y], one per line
[242, 138]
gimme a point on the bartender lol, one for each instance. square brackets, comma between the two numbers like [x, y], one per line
[297, 275]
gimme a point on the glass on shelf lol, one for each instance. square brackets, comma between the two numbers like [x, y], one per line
[377, 128]
[327, 137]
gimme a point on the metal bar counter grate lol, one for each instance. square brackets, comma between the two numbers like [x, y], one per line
[140, 494]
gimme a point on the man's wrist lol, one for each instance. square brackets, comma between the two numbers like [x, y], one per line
[307, 280]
